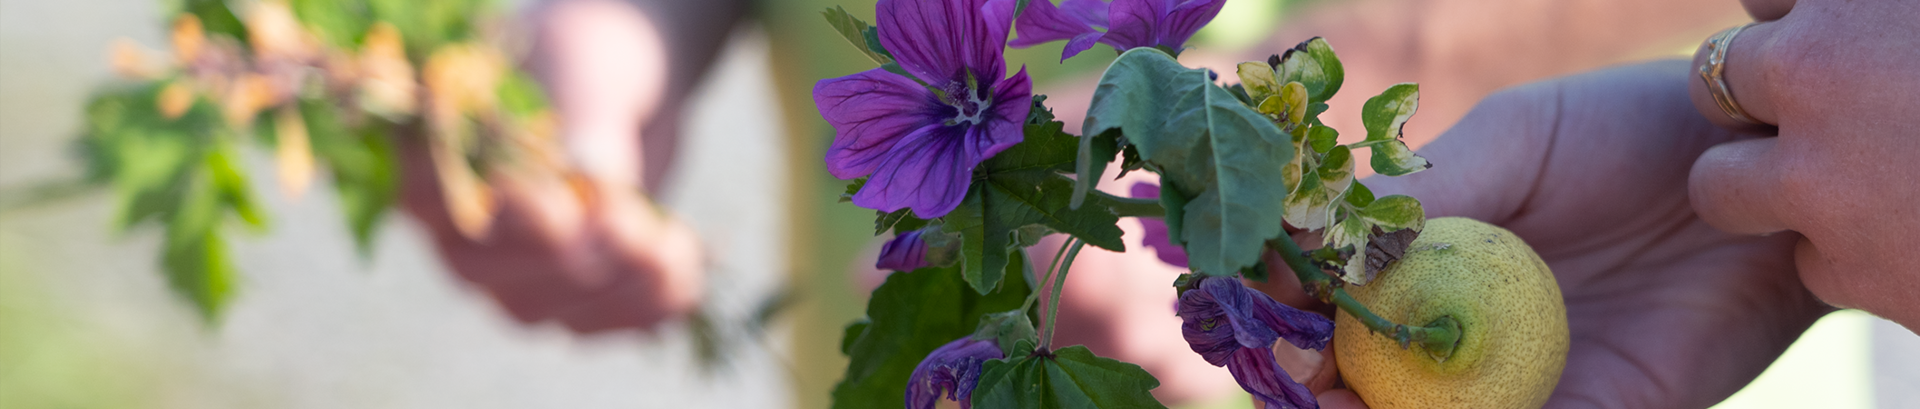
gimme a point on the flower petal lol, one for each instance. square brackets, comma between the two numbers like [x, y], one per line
[1303, 329]
[1041, 22]
[1261, 375]
[870, 112]
[1134, 23]
[928, 170]
[942, 42]
[1005, 125]
[1093, 12]
[951, 371]
[1237, 304]
[906, 252]
[1206, 328]
[1156, 234]
[1185, 19]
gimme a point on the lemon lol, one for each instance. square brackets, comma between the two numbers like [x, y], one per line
[1513, 322]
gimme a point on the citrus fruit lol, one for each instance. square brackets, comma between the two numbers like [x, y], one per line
[1513, 323]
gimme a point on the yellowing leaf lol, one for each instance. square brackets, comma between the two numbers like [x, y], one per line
[293, 153]
[386, 83]
[188, 38]
[174, 100]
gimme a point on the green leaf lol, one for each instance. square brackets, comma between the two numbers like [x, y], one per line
[910, 315]
[1394, 213]
[195, 258]
[340, 23]
[231, 182]
[1308, 205]
[1312, 63]
[1385, 115]
[852, 333]
[215, 17]
[852, 188]
[858, 33]
[1224, 156]
[1096, 152]
[364, 164]
[1072, 377]
[1000, 204]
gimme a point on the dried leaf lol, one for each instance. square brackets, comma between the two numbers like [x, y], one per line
[174, 100]
[1384, 248]
[189, 37]
[293, 153]
[468, 198]
[386, 83]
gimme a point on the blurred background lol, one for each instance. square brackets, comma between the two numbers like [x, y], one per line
[87, 320]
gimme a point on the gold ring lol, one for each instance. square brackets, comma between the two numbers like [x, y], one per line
[1714, 74]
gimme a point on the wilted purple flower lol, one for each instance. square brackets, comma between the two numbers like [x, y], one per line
[1127, 23]
[1233, 326]
[920, 143]
[1156, 236]
[906, 252]
[952, 371]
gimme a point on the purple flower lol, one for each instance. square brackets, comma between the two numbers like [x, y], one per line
[1233, 326]
[1127, 23]
[1156, 235]
[906, 252]
[951, 371]
[918, 144]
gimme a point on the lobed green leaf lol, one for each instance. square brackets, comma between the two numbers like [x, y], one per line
[1072, 377]
[1221, 155]
[909, 316]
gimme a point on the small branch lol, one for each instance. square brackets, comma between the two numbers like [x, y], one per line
[1438, 338]
[1132, 207]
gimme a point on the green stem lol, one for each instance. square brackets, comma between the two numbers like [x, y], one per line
[1053, 303]
[1438, 338]
[1051, 263]
[1132, 207]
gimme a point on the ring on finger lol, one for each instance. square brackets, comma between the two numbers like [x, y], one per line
[1713, 73]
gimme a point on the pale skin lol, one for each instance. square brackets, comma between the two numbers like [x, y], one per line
[1839, 80]
[610, 259]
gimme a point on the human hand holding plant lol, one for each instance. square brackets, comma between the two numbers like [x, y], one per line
[1654, 296]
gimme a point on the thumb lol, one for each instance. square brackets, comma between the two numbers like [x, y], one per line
[1735, 187]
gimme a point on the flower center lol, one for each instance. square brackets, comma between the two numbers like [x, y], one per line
[972, 111]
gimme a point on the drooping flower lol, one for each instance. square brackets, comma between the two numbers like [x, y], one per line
[918, 144]
[906, 252]
[1233, 326]
[950, 372]
[1156, 236]
[1127, 24]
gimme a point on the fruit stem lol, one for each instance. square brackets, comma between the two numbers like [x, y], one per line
[1438, 338]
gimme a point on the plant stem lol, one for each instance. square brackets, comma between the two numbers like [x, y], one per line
[1131, 207]
[1051, 263]
[1053, 303]
[1438, 338]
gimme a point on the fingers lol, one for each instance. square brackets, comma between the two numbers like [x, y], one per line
[1735, 187]
[1767, 10]
[1747, 73]
[1340, 399]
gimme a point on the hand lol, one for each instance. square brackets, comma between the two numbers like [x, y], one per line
[587, 250]
[1838, 78]
[590, 255]
[1591, 170]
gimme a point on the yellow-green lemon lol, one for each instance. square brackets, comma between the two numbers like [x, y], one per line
[1513, 323]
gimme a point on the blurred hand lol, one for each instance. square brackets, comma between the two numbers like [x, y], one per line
[592, 255]
[1839, 79]
[1591, 170]
[588, 250]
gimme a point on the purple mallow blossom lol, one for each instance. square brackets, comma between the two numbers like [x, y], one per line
[906, 252]
[918, 144]
[950, 372]
[1127, 24]
[1156, 236]
[1233, 326]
